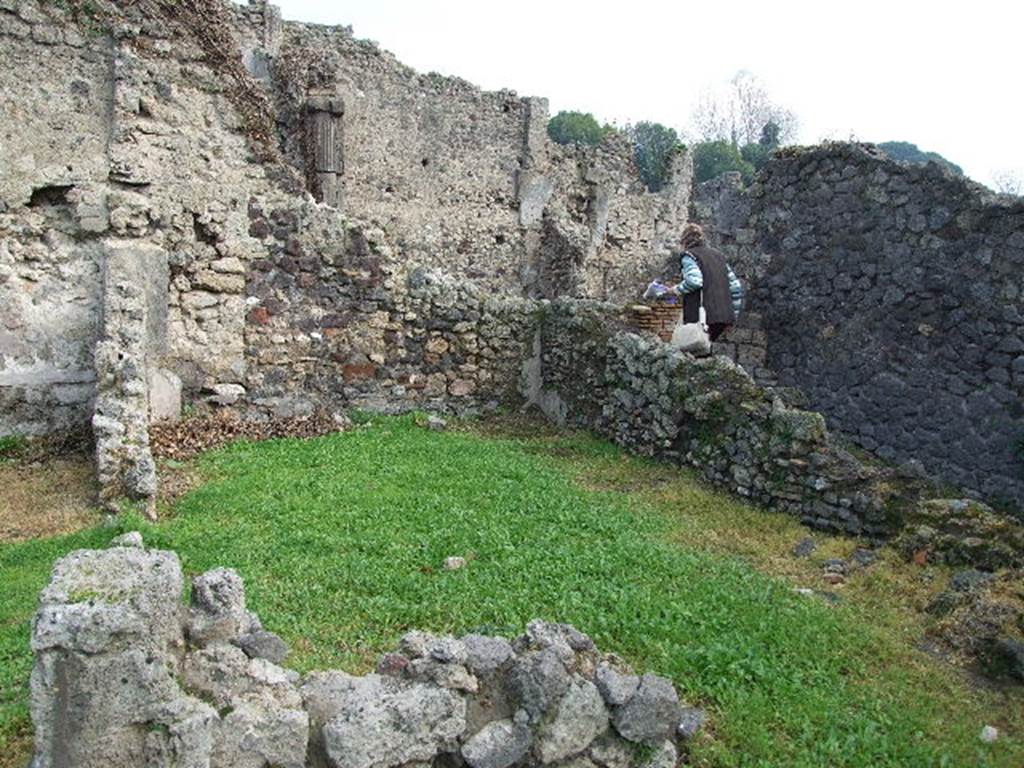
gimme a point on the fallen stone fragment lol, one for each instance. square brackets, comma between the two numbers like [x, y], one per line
[805, 547]
[652, 714]
[454, 563]
[497, 745]
[261, 644]
[226, 394]
[130, 539]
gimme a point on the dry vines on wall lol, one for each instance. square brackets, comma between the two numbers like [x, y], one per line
[208, 22]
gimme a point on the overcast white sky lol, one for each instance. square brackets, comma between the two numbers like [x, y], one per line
[945, 76]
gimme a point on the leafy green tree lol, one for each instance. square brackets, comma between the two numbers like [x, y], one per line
[653, 148]
[909, 154]
[770, 135]
[756, 154]
[576, 128]
[712, 158]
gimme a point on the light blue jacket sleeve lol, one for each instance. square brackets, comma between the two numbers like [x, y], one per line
[735, 292]
[693, 280]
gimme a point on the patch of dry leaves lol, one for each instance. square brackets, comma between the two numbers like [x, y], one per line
[184, 440]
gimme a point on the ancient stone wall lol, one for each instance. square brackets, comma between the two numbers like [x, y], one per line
[892, 296]
[335, 322]
[124, 676]
[203, 129]
[708, 413]
[467, 181]
[53, 150]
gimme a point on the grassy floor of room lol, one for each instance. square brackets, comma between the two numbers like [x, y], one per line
[341, 541]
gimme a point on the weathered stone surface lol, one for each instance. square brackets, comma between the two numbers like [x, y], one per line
[497, 745]
[225, 675]
[665, 756]
[828, 228]
[963, 532]
[579, 719]
[383, 723]
[254, 735]
[615, 687]
[652, 714]
[538, 680]
[261, 644]
[486, 655]
[130, 539]
[218, 611]
[115, 685]
[106, 636]
[101, 600]
[691, 720]
[164, 395]
[226, 394]
[709, 413]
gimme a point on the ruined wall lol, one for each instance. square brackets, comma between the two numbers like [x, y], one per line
[337, 321]
[53, 150]
[467, 181]
[892, 297]
[708, 413]
[125, 676]
[202, 130]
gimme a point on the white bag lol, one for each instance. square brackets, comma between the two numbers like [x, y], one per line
[693, 337]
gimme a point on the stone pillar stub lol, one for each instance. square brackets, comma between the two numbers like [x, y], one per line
[134, 309]
[325, 150]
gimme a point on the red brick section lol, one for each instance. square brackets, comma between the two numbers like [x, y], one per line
[358, 371]
[658, 319]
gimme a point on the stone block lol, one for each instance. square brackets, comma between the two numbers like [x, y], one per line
[164, 396]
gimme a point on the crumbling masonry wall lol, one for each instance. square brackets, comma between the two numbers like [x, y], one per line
[125, 676]
[708, 413]
[139, 124]
[893, 297]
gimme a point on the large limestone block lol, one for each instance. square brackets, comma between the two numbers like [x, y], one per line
[384, 723]
[108, 636]
[113, 599]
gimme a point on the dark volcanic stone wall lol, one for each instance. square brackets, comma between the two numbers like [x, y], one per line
[893, 297]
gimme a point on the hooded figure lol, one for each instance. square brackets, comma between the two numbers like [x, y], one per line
[708, 278]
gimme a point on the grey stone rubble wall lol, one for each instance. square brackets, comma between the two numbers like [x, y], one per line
[124, 676]
[892, 296]
[708, 413]
[336, 320]
[53, 153]
[124, 130]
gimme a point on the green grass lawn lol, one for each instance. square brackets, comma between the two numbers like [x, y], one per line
[341, 542]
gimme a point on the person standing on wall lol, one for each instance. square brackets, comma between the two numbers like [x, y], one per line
[707, 277]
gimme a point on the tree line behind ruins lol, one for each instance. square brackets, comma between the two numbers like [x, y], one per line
[736, 128]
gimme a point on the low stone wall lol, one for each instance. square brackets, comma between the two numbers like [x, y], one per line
[708, 413]
[125, 677]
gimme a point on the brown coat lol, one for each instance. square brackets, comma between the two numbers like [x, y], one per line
[717, 299]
